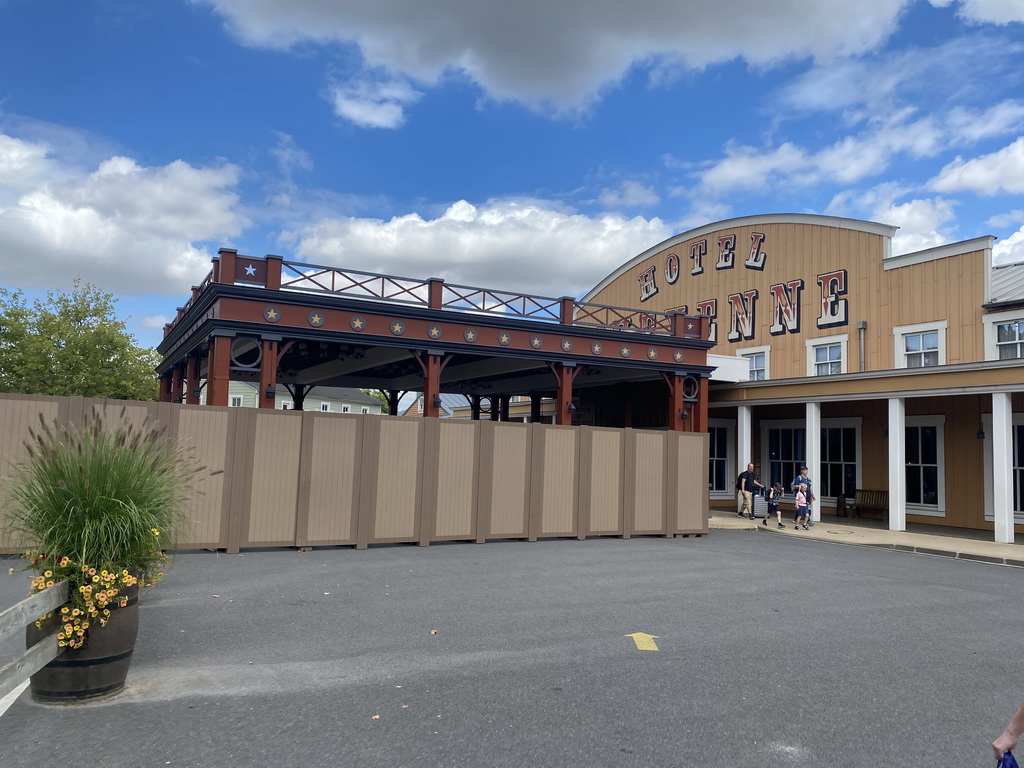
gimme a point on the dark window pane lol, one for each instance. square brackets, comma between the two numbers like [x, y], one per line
[773, 443]
[849, 444]
[913, 445]
[835, 444]
[930, 483]
[929, 445]
[799, 445]
[835, 480]
[913, 485]
[849, 480]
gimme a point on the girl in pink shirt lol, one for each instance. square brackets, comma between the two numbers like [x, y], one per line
[802, 512]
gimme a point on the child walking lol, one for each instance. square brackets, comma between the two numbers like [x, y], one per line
[773, 497]
[802, 511]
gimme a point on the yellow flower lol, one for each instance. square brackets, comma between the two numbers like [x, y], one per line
[47, 574]
[155, 532]
[60, 636]
[92, 571]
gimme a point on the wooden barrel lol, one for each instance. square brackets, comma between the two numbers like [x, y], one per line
[99, 668]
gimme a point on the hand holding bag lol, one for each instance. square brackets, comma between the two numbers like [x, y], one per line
[1008, 761]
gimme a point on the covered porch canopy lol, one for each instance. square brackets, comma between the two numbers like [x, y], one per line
[297, 325]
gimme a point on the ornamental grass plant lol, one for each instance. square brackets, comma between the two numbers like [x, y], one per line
[102, 505]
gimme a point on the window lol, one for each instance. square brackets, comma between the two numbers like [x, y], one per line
[236, 401]
[345, 409]
[826, 356]
[787, 451]
[1018, 468]
[364, 409]
[838, 462]
[924, 463]
[921, 345]
[757, 359]
[326, 407]
[1010, 340]
[285, 406]
[1004, 335]
[718, 457]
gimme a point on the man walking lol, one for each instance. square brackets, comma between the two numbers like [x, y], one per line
[746, 483]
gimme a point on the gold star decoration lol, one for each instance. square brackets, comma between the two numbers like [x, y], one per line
[470, 335]
[504, 338]
[358, 323]
[271, 314]
[434, 331]
[652, 353]
[315, 319]
[596, 348]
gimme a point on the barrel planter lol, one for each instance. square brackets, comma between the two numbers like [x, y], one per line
[99, 668]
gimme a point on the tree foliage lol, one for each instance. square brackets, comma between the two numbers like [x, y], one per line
[376, 394]
[72, 343]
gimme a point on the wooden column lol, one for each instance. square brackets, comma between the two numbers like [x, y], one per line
[274, 271]
[268, 373]
[165, 389]
[432, 363]
[699, 410]
[192, 379]
[676, 403]
[565, 374]
[176, 384]
[218, 372]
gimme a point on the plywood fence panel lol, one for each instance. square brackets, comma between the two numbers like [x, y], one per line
[457, 463]
[505, 478]
[205, 434]
[554, 499]
[397, 454]
[690, 489]
[649, 495]
[602, 481]
[17, 415]
[331, 457]
[275, 476]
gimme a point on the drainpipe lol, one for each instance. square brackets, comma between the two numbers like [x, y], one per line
[862, 326]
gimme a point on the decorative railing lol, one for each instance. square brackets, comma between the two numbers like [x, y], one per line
[296, 276]
[465, 298]
[436, 294]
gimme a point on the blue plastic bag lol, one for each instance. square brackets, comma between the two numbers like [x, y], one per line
[1008, 761]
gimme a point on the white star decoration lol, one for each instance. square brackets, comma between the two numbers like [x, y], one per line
[250, 271]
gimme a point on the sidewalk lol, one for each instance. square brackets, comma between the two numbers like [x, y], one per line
[944, 542]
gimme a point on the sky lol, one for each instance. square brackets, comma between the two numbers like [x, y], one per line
[529, 146]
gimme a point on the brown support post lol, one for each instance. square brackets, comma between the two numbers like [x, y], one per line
[192, 379]
[435, 293]
[274, 272]
[535, 401]
[699, 409]
[431, 386]
[268, 374]
[176, 384]
[165, 389]
[565, 375]
[567, 312]
[218, 372]
[226, 272]
[676, 404]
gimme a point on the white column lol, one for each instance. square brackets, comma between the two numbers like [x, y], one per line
[812, 427]
[744, 441]
[897, 464]
[1002, 466]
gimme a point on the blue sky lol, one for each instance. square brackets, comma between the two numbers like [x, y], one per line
[530, 146]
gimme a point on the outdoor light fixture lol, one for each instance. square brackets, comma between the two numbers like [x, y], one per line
[437, 401]
[271, 392]
[196, 393]
[572, 408]
[980, 434]
[684, 413]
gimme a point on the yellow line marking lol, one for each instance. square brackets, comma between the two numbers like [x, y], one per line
[644, 642]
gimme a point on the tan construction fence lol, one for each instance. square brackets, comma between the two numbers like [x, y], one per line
[306, 479]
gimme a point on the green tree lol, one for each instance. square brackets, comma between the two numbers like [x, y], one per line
[376, 394]
[72, 344]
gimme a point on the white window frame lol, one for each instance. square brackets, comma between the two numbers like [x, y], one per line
[345, 408]
[1016, 420]
[730, 459]
[856, 422]
[991, 322]
[748, 352]
[364, 409]
[901, 331]
[939, 422]
[325, 407]
[286, 405]
[842, 339]
[236, 401]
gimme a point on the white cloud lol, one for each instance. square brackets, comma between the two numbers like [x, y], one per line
[1010, 250]
[630, 194]
[922, 224]
[986, 11]
[968, 126]
[513, 245]
[1008, 219]
[988, 175]
[290, 157]
[126, 227]
[373, 104]
[563, 54]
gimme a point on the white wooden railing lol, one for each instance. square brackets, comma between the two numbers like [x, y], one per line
[15, 619]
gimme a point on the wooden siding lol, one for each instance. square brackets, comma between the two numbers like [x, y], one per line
[950, 289]
[288, 478]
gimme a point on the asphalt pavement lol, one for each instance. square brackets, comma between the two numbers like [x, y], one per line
[782, 650]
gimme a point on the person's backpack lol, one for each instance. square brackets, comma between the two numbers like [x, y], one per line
[739, 483]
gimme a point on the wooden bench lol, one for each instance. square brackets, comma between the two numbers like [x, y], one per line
[870, 502]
